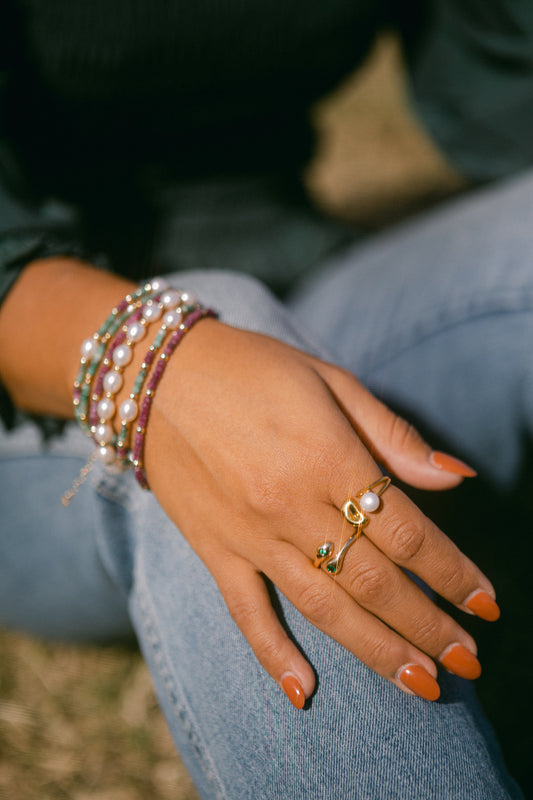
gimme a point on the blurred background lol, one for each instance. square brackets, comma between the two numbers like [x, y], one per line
[82, 723]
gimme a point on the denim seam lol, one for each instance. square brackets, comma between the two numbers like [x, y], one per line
[177, 696]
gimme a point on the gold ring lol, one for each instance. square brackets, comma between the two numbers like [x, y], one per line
[354, 512]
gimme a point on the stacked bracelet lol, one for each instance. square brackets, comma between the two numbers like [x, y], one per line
[177, 336]
[93, 349]
[110, 350]
[174, 306]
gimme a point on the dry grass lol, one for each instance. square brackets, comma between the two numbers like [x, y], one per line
[82, 723]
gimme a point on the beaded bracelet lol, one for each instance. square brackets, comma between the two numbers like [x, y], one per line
[185, 304]
[109, 381]
[95, 413]
[140, 431]
[109, 350]
[102, 408]
[93, 349]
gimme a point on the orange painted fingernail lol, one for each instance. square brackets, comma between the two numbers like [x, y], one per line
[451, 464]
[293, 689]
[462, 662]
[483, 606]
[419, 681]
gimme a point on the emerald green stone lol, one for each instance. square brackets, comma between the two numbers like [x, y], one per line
[331, 568]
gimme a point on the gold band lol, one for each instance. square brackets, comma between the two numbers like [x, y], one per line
[355, 514]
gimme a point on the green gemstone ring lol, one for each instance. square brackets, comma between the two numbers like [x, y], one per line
[354, 512]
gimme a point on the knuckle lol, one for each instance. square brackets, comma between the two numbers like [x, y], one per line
[369, 584]
[402, 435]
[244, 611]
[428, 633]
[323, 458]
[267, 649]
[266, 491]
[317, 606]
[378, 653]
[406, 540]
[453, 583]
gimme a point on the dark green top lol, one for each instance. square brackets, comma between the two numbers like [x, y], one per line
[108, 93]
[99, 97]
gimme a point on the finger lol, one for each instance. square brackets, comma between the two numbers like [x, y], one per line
[246, 595]
[329, 608]
[387, 592]
[381, 587]
[411, 540]
[394, 442]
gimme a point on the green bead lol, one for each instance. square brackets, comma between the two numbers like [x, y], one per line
[159, 339]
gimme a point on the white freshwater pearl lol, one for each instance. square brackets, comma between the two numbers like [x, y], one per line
[88, 348]
[136, 332]
[188, 298]
[105, 408]
[122, 355]
[152, 312]
[369, 501]
[170, 299]
[173, 318]
[106, 454]
[128, 410]
[103, 433]
[159, 284]
[113, 382]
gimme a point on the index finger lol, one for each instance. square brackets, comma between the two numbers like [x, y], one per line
[411, 540]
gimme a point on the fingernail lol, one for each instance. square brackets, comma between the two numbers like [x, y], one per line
[293, 689]
[419, 681]
[460, 661]
[483, 605]
[451, 464]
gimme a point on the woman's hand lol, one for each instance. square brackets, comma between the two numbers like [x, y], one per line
[252, 448]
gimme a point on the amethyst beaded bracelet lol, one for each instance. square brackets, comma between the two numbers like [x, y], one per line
[184, 303]
[140, 431]
[110, 349]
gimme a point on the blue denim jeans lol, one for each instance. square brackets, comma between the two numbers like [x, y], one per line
[436, 317]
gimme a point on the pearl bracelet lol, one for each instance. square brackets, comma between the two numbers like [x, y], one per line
[93, 349]
[140, 431]
[108, 382]
[175, 305]
[105, 355]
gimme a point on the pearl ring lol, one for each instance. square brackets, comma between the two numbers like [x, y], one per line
[368, 501]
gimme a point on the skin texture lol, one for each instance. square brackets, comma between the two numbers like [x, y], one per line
[245, 442]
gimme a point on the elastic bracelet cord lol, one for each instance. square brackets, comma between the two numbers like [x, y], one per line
[140, 431]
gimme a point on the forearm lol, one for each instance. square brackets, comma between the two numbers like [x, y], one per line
[55, 304]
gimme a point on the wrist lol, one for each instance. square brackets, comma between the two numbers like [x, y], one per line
[43, 321]
[113, 415]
